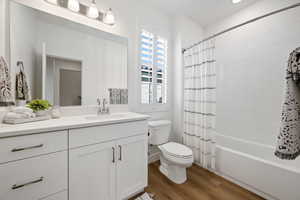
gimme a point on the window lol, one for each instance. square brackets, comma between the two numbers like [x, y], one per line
[153, 65]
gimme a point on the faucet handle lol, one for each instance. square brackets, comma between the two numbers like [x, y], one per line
[104, 101]
[99, 101]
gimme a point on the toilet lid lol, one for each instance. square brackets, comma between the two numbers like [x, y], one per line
[177, 150]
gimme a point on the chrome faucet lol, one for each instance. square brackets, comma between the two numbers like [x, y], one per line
[104, 109]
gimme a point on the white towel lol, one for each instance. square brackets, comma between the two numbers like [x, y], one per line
[12, 115]
[21, 110]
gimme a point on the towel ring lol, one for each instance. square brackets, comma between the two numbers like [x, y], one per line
[20, 63]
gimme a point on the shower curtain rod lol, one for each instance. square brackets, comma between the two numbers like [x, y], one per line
[242, 24]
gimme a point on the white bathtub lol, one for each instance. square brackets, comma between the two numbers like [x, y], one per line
[255, 167]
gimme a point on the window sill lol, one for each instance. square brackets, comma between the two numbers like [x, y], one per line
[151, 108]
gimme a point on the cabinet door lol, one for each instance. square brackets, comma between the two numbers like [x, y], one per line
[132, 166]
[92, 172]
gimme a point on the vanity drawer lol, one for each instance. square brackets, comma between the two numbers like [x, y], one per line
[98, 134]
[16, 148]
[34, 178]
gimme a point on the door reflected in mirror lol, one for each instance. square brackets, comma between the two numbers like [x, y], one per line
[63, 81]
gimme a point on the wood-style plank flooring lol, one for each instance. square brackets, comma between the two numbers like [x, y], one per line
[201, 185]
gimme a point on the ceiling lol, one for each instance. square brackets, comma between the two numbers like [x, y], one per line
[202, 11]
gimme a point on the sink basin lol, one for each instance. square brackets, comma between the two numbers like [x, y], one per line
[110, 116]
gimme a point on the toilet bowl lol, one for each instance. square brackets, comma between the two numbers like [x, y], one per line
[174, 157]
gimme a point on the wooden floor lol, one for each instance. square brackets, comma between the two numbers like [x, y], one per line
[201, 185]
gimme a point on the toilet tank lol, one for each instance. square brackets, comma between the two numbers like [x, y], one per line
[159, 132]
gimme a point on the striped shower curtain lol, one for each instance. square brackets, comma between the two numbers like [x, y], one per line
[200, 103]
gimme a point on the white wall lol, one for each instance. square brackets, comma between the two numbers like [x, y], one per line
[251, 64]
[23, 38]
[186, 33]
[2, 19]
[4, 29]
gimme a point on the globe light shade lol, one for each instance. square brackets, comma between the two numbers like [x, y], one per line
[109, 17]
[236, 1]
[93, 11]
[74, 5]
[52, 1]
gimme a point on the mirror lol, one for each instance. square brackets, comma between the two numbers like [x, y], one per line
[67, 63]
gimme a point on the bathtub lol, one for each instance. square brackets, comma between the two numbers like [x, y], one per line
[254, 167]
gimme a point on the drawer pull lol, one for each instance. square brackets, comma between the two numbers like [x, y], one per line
[114, 160]
[14, 187]
[27, 148]
[120, 156]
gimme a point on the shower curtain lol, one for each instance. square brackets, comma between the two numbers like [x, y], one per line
[200, 102]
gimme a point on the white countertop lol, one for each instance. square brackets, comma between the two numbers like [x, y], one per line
[65, 123]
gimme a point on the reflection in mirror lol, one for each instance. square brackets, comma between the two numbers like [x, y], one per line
[63, 81]
[67, 63]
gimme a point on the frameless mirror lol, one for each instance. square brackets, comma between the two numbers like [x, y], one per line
[67, 63]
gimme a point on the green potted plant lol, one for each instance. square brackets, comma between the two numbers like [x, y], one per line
[39, 106]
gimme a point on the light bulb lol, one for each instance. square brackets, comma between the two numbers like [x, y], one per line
[109, 17]
[52, 1]
[93, 11]
[74, 5]
[236, 1]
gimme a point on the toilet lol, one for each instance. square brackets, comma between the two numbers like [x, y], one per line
[174, 157]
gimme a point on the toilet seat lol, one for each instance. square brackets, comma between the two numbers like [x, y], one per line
[177, 153]
[176, 150]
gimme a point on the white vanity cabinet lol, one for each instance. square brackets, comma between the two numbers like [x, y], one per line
[91, 162]
[108, 167]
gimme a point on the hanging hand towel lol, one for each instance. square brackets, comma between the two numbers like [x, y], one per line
[22, 88]
[288, 141]
[6, 97]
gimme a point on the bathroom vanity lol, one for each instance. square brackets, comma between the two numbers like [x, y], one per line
[75, 158]
[88, 157]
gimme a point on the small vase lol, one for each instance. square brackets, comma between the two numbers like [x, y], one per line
[41, 113]
[55, 113]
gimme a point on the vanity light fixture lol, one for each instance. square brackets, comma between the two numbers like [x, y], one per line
[236, 1]
[109, 17]
[74, 5]
[52, 1]
[93, 10]
[90, 11]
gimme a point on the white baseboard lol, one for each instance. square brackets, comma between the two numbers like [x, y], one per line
[153, 157]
